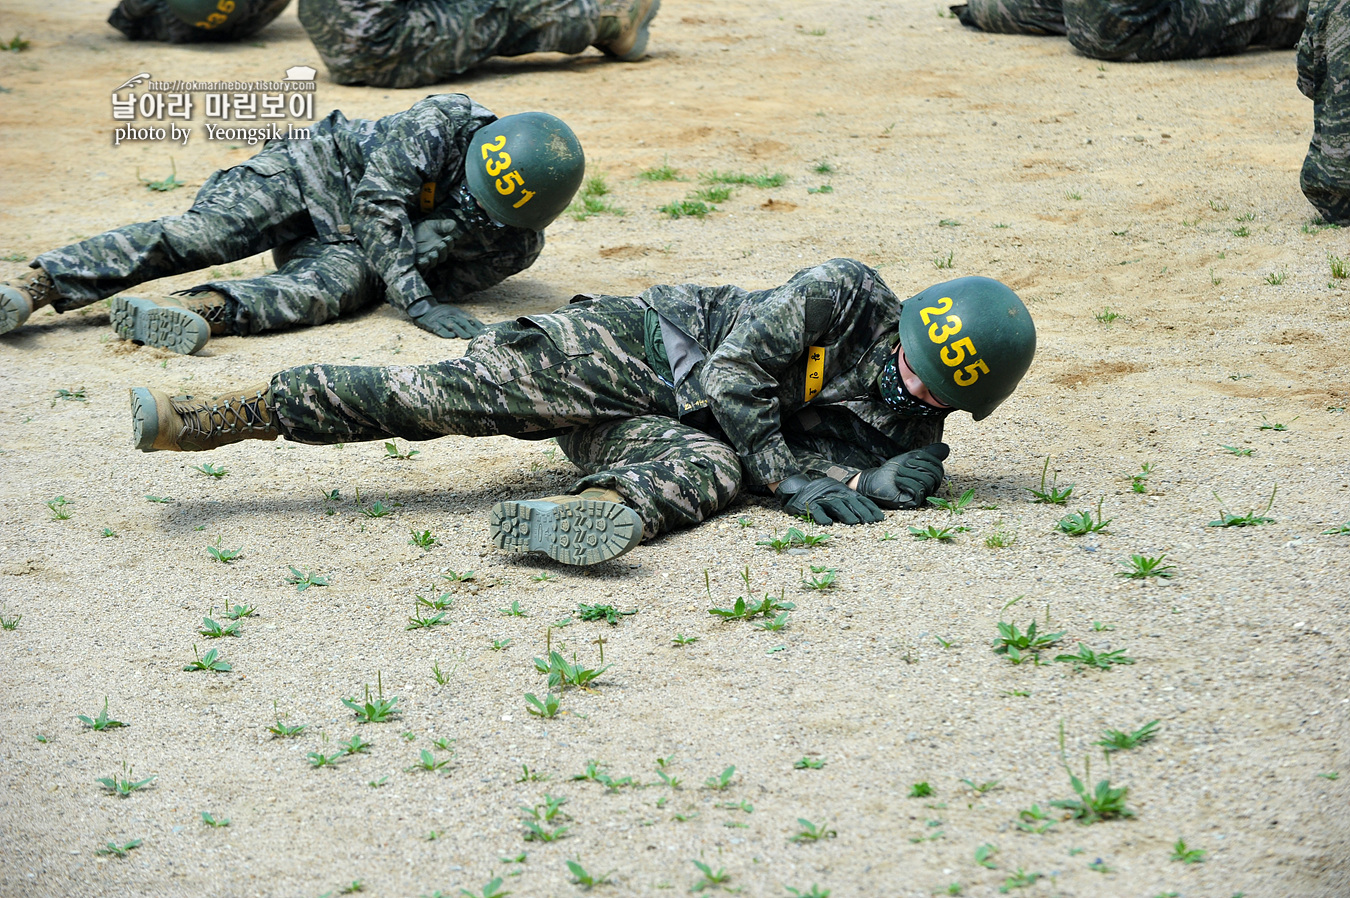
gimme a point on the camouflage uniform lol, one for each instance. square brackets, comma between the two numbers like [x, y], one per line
[1324, 78]
[1150, 30]
[339, 208]
[151, 20]
[674, 398]
[1013, 16]
[415, 42]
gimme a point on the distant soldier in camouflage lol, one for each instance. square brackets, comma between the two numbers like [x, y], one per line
[1013, 16]
[417, 209]
[416, 42]
[1324, 78]
[1146, 30]
[193, 21]
[826, 391]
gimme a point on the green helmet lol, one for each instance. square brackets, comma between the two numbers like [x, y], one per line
[524, 169]
[207, 14]
[969, 340]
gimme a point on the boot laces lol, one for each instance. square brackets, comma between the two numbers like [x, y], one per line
[41, 288]
[234, 415]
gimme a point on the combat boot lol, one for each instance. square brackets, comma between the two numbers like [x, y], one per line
[624, 27]
[194, 423]
[583, 529]
[22, 297]
[176, 323]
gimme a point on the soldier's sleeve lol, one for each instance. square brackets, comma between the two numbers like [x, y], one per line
[740, 379]
[416, 149]
[504, 252]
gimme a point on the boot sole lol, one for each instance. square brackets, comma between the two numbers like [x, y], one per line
[167, 327]
[144, 419]
[14, 309]
[638, 48]
[584, 532]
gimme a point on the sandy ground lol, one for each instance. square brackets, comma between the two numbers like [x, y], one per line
[1167, 193]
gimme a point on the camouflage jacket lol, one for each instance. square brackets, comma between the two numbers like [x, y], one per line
[371, 181]
[151, 20]
[756, 361]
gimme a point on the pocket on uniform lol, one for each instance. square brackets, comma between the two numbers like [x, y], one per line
[267, 164]
[510, 352]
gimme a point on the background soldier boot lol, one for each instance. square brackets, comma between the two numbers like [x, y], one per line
[624, 27]
[584, 529]
[21, 298]
[176, 323]
[194, 423]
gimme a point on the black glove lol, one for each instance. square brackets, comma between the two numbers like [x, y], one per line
[826, 501]
[444, 320]
[906, 480]
[434, 237]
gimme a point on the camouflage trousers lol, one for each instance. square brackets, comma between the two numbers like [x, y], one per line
[1151, 30]
[1013, 16]
[1324, 77]
[238, 213]
[580, 374]
[416, 42]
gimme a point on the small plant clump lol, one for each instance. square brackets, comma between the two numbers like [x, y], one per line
[1141, 567]
[124, 785]
[211, 662]
[112, 849]
[377, 709]
[1082, 522]
[1187, 855]
[1054, 495]
[607, 613]
[172, 182]
[1119, 740]
[103, 721]
[303, 580]
[57, 506]
[1105, 802]
[1087, 657]
[1025, 645]
[391, 450]
[794, 538]
[1250, 519]
[1138, 482]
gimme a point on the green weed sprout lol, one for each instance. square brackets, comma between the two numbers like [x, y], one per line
[1118, 740]
[1141, 567]
[1105, 802]
[1250, 519]
[103, 721]
[1080, 523]
[374, 710]
[1054, 495]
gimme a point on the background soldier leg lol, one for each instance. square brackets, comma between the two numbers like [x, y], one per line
[1149, 30]
[314, 282]
[1013, 16]
[1324, 78]
[673, 475]
[237, 213]
[419, 42]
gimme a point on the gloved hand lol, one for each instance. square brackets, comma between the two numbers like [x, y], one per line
[434, 237]
[826, 501]
[444, 320]
[906, 480]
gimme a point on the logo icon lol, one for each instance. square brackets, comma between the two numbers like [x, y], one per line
[133, 81]
[300, 73]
